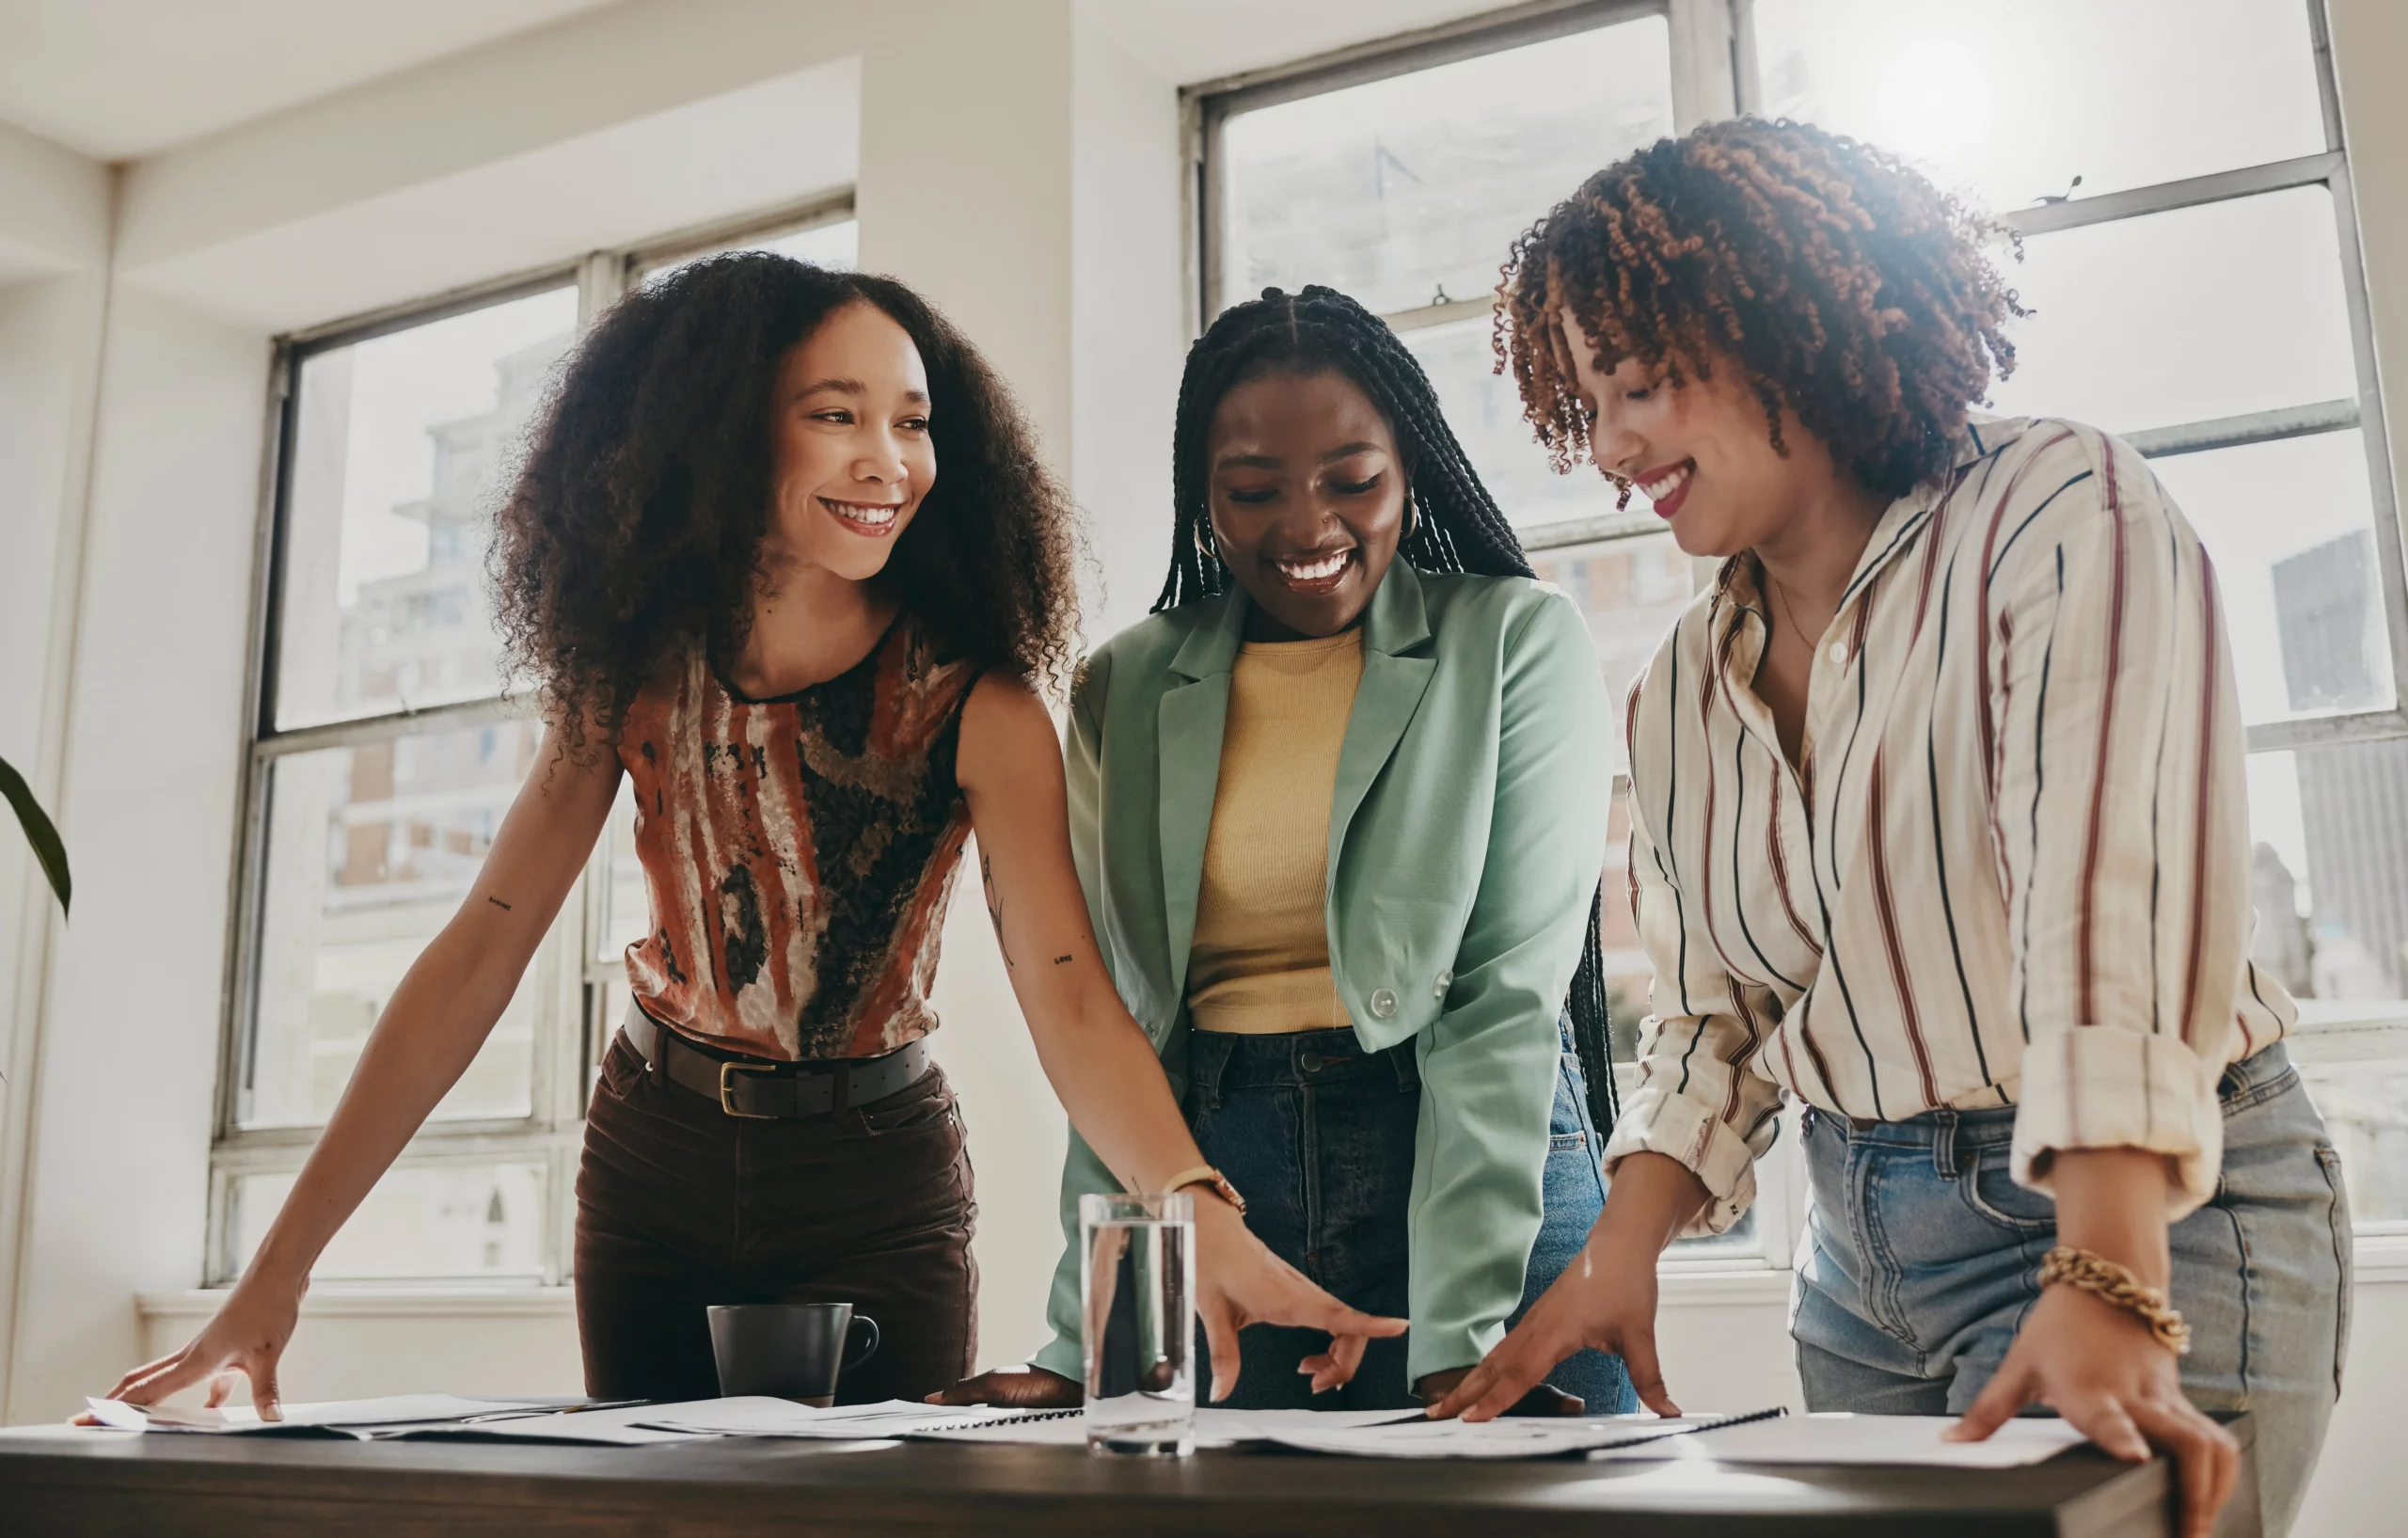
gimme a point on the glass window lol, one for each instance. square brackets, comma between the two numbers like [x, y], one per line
[2012, 103]
[422, 1222]
[370, 850]
[2365, 1106]
[627, 903]
[1630, 590]
[401, 446]
[2187, 316]
[2290, 525]
[1407, 191]
[833, 244]
[2329, 880]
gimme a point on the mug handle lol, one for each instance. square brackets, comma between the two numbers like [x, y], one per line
[869, 1349]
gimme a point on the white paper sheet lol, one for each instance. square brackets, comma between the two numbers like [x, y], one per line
[1214, 1427]
[760, 1416]
[1859, 1439]
[1511, 1437]
[341, 1413]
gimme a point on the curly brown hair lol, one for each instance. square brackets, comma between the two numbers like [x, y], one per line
[634, 529]
[1838, 281]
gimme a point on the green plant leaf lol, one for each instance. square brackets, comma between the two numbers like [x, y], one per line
[40, 832]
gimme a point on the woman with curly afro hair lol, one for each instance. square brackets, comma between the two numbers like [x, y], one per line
[783, 559]
[1939, 825]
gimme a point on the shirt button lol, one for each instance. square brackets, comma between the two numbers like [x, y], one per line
[1383, 1003]
[1439, 989]
[1839, 652]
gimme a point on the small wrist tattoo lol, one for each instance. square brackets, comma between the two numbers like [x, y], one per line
[1059, 959]
[499, 903]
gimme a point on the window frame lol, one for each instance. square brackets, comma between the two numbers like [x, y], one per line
[566, 979]
[1716, 74]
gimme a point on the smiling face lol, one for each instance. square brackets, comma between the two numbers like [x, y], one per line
[1307, 495]
[854, 458]
[1701, 451]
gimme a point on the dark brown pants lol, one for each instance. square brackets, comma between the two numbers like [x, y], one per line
[680, 1206]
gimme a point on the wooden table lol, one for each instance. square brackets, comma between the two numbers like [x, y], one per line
[61, 1482]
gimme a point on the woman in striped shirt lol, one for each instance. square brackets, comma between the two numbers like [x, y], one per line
[1938, 824]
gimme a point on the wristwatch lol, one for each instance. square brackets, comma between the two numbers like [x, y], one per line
[1205, 1175]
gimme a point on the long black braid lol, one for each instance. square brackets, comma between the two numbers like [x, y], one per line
[1459, 527]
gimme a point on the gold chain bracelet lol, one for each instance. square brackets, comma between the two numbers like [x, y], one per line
[2114, 1285]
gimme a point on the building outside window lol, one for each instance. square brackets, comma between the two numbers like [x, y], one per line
[384, 757]
[2189, 250]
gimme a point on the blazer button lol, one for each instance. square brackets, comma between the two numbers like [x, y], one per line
[1383, 1003]
[1439, 989]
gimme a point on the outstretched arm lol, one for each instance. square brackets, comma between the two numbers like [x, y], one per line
[1098, 1059]
[436, 1021]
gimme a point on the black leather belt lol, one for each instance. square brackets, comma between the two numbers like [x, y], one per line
[766, 1090]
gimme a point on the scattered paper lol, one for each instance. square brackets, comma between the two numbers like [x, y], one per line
[1539, 1437]
[337, 1415]
[1859, 1440]
[1214, 1427]
[762, 1416]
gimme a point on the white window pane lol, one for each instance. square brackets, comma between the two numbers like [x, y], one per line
[837, 244]
[2331, 876]
[371, 849]
[1630, 590]
[1404, 188]
[2203, 312]
[2366, 1112]
[1485, 411]
[626, 905]
[2013, 102]
[402, 446]
[2290, 525]
[421, 1221]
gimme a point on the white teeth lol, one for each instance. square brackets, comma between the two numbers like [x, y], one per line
[1664, 485]
[1313, 571]
[877, 514]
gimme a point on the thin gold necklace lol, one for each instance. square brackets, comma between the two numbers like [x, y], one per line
[1783, 594]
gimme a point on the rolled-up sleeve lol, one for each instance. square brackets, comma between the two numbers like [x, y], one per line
[1696, 1099]
[2122, 826]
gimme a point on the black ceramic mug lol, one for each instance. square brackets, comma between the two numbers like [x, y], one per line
[788, 1350]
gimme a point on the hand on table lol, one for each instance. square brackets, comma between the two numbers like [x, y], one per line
[1016, 1389]
[2102, 1369]
[1544, 1400]
[1593, 1304]
[1240, 1282]
[247, 1337]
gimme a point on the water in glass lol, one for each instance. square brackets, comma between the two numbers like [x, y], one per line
[1137, 1289]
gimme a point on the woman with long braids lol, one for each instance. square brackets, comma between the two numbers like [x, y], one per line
[1939, 826]
[784, 558]
[1337, 808]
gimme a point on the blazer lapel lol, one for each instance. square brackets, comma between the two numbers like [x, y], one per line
[1189, 724]
[1396, 669]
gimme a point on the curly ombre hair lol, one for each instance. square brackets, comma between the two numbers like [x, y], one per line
[1839, 283]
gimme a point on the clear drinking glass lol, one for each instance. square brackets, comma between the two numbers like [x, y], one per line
[1137, 1292]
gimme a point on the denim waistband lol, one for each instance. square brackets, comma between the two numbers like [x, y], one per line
[2243, 1084]
[1220, 1061]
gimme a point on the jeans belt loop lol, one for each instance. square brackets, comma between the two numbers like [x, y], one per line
[1943, 1143]
[1401, 1061]
[1215, 1057]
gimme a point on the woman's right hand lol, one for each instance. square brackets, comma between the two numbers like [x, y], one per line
[1015, 1389]
[1240, 1282]
[249, 1337]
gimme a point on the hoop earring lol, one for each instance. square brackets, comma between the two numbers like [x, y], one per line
[1204, 549]
[1412, 516]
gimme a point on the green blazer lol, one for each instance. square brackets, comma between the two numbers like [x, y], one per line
[1467, 833]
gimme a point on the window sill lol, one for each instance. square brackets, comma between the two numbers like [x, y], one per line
[1733, 1287]
[433, 1300]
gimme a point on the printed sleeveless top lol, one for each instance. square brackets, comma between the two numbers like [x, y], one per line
[798, 852]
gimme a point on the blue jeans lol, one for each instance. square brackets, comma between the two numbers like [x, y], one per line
[1922, 1258]
[1320, 1136]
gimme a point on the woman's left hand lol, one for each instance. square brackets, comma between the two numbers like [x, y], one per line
[1544, 1399]
[2102, 1369]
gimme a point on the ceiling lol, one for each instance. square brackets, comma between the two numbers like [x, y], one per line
[121, 79]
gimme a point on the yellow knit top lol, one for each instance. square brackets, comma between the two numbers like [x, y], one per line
[1261, 961]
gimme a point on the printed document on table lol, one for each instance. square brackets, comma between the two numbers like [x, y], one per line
[334, 1414]
[1859, 1439]
[1214, 1427]
[763, 1417]
[1512, 1438]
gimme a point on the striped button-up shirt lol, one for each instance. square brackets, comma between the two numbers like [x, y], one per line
[2017, 872]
